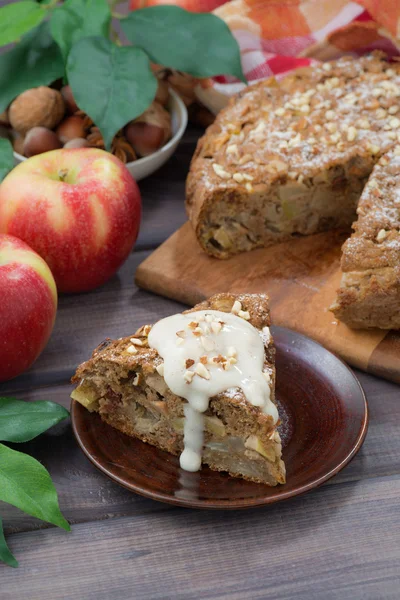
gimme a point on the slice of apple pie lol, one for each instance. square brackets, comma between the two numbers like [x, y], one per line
[198, 384]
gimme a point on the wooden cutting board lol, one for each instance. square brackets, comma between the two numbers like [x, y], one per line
[299, 276]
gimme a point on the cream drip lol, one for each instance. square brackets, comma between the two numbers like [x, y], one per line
[207, 352]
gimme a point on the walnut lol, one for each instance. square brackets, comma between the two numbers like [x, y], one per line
[37, 107]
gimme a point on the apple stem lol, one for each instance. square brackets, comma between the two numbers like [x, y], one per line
[62, 174]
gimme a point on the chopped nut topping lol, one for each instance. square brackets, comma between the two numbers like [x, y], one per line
[204, 359]
[393, 110]
[146, 330]
[218, 359]
[376, 92]
[216, 327]
[249, 187]
[237, 306]
[329, 115]
[350, 98]
[380, 113]
[232, 149]
[202, 371]
[267, 376]
[136, 341]
[238, 177]
[188, 376]
[218, 170]
[248, 177]
[207, 344]
[363, 124]
[245, 159]
[382, 234]
[331, 127]
[181, 334]
[244, 314]
[160, 369]
[394, 123]
[280, 112]
[189, 363]
[351, 134]
[295, 141]
[131, 349]
[137, 379]
[260, 127]
[193, 325]
[327, 66]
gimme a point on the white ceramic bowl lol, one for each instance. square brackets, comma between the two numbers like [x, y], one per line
[145, 166]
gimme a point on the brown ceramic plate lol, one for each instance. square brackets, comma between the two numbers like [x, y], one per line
[324, 422]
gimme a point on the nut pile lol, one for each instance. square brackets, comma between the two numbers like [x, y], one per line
[42, 119]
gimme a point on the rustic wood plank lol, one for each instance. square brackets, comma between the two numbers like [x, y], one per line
[300, 276]
[338, 542]
[86, 494]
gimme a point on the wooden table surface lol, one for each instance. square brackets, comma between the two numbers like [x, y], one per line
[339, 541]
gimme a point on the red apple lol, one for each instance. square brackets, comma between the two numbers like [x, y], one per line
[78, 208]
[28, 306]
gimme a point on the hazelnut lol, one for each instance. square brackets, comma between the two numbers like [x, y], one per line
[71, 128]
[40, 139]
[4, 118]
[69, 99]
[144, 138]
[77, 143]
[162, 94]
[18, 143]
[37, 107]
[150, 131]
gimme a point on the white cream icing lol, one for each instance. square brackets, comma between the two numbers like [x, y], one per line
[227, 352]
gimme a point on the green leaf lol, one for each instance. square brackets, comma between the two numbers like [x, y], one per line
[26, 484]
[35, 61]
[197, 43]
[112, 84]
[5, 554]
[22, 421]
[76, 19]
[6, 157]
[19, 18]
